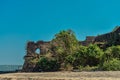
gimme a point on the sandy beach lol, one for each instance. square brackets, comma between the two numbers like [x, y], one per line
[99, 75]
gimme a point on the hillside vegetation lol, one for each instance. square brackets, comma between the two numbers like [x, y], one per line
[67, 54]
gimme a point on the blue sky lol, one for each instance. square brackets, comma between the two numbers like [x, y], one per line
[26, 20]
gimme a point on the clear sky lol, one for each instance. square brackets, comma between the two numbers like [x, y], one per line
[26, 20]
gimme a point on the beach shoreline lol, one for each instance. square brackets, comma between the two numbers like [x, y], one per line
[97, 75]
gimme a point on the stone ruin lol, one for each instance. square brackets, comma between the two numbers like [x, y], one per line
[31, 48]
[88, 40]
[44, 47]
[104, 40]
[108, 39]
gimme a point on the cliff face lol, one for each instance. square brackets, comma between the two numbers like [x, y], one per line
[103, 41]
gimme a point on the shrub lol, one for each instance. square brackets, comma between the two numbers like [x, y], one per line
[80, 56]
[46, 64]
[85, 56]
[87, 68]
[94, 55]
[113, 64]
[112, 52]
[77, 58]
[70, 59]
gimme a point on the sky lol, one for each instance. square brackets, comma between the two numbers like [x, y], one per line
[32, 20]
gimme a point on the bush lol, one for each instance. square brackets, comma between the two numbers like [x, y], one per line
[87, 68]
[77, 58]
[70, 59]
[85, 56]
[80, 56]
[46, 64]
[113, 64]
[112, 52]
[94, 55]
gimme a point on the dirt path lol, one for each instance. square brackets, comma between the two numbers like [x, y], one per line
[100, 75]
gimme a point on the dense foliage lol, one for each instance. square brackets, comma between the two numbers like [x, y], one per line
[113, 64]
[86, 56]
[94, 55]
[63, 45]
[112, 52]
[47, 64]
[67, 54]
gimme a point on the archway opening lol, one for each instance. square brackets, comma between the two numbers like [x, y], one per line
[37, 51]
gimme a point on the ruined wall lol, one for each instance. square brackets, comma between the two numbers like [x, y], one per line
[108, 39]
[104, 40]
[88, 40]
[31, 54]
[108, 36]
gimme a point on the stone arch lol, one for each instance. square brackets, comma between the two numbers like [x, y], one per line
[37, 51]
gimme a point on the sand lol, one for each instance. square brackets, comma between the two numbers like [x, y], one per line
[98, 75]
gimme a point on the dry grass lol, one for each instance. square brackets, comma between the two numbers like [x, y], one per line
[100, 75]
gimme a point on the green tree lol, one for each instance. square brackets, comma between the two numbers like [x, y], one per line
[64, 44]
[80, 57]
[94, 55]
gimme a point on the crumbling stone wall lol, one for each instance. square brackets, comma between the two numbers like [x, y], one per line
[88, 40]
[31, 54]
[108, 39]
[104, 40]
[42, 45]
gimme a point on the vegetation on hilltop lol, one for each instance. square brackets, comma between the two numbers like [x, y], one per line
[67, 54]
